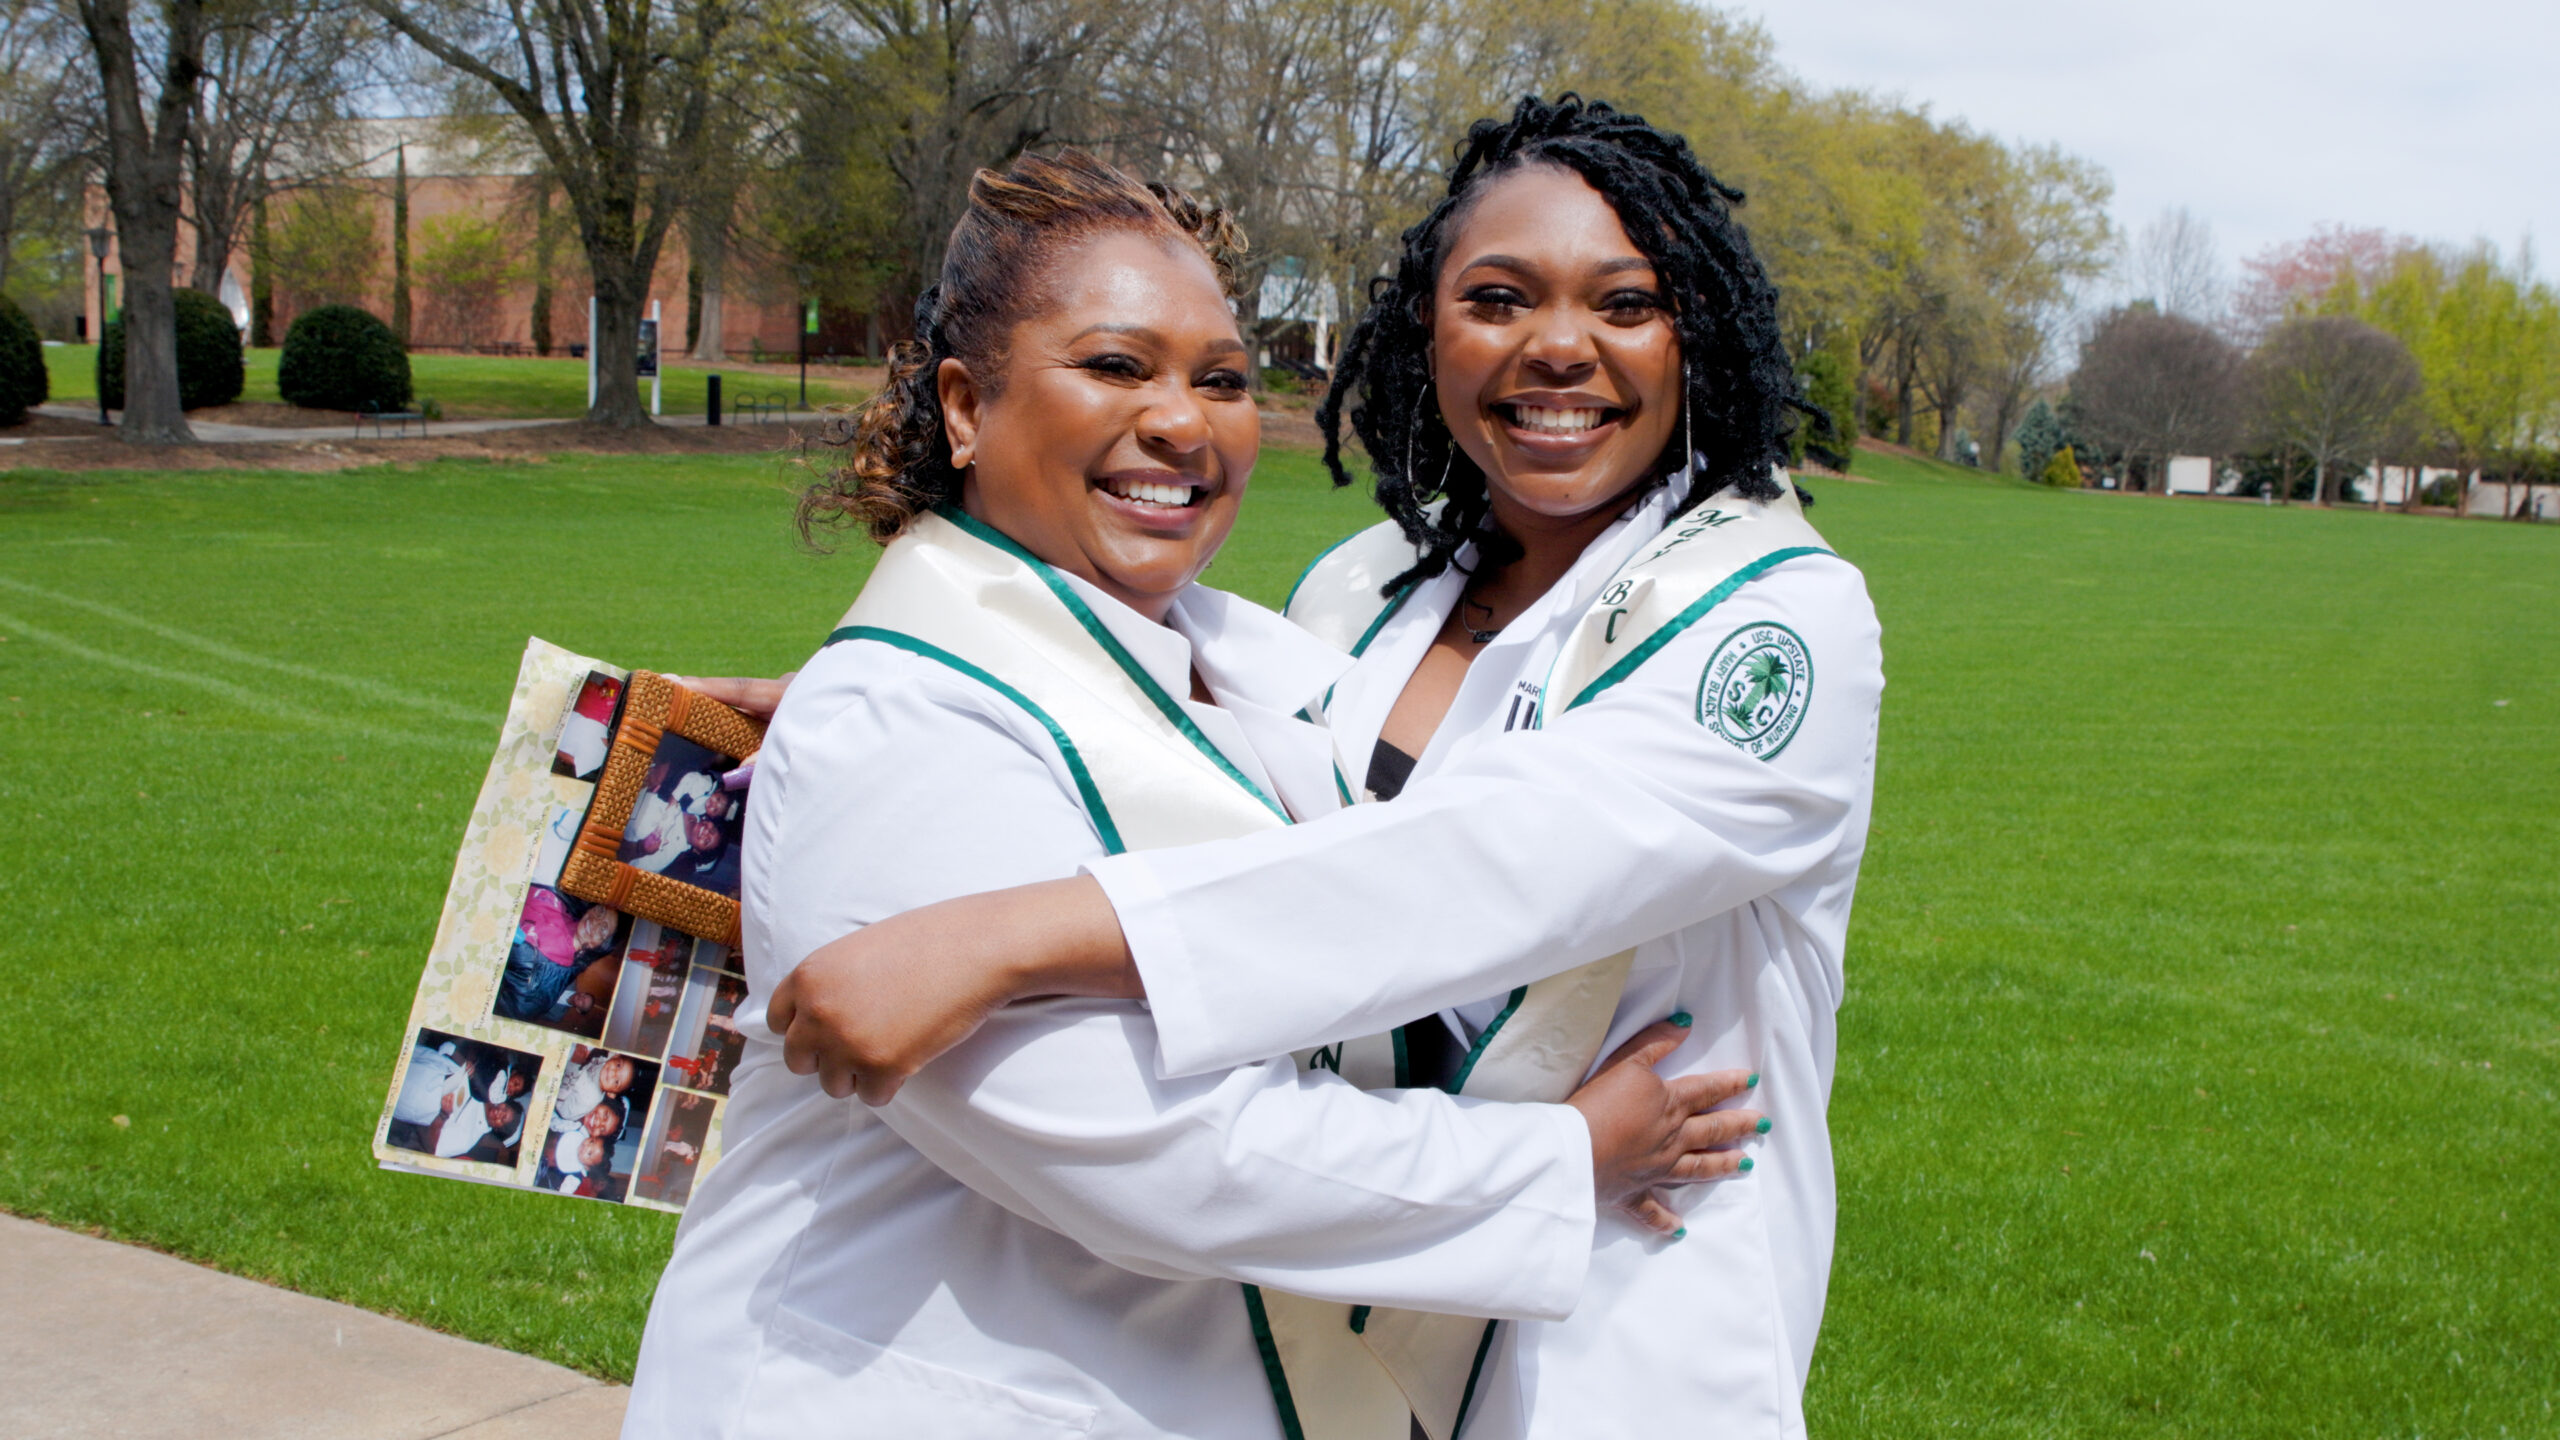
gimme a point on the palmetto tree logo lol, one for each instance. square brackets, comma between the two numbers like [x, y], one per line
[1756, 687]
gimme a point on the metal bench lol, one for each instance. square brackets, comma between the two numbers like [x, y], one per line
[379, 418]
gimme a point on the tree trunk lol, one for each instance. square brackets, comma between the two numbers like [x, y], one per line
[2319, 480]
[621, 294]
[213, 258]
[145, 169]
[2000, 419]
[1902, 406]
[545, 244]
[262, 288]
[712, 259]
[400, 244]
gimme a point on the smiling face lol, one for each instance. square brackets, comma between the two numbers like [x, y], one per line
[1118, 436]
[1553, 353]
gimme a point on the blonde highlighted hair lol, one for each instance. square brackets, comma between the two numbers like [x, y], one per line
[899, 460]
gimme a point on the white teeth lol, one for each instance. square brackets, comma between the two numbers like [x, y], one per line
[1175, 496]
[1556, 422]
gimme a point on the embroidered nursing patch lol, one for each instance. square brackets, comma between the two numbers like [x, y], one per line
[1756, 688]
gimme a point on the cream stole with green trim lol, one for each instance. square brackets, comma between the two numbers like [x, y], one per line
[956, 592]
[1548, 1034]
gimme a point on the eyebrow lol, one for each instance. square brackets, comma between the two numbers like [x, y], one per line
[1141, 332]
[1514, 262]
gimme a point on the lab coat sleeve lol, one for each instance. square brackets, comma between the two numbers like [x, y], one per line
[1522, 856]
[1415, 1199]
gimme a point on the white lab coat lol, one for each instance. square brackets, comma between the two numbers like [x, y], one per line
[1513, 856]
[1041, 1237]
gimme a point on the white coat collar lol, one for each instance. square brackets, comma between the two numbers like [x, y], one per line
[1361, 702]
[1261, 672]
[1239, 648]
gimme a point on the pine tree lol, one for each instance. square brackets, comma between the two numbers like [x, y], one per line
[2038, 437]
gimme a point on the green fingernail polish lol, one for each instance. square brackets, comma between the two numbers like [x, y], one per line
[1680, 1234]
[1746, 1166]
[1681, 1019]
[1753, 1081]
[1763, 1126]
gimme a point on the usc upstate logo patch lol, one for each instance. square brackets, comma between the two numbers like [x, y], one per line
[1756, 688]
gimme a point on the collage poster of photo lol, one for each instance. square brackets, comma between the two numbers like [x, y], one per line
[597, 1060]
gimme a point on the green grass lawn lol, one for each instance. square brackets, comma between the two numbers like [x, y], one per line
[491, 386]
[2198, 1073]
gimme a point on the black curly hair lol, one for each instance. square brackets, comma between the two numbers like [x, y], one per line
[1740, 386]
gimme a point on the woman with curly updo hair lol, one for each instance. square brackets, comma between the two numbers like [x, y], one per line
[1042, 1236]
[1621, 703]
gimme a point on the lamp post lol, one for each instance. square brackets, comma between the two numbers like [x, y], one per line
[98, 237]
[808, 322]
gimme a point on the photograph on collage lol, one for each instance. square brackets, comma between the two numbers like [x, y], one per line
[593, 1140]
[565, 961]
[686, 823]
[650, 989]
[707, 1041]
[586, 732]
[463, 1099]
[673, 1147]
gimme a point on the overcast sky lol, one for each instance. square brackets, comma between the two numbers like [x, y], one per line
[2264, 117]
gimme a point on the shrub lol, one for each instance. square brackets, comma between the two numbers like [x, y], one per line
[23, 382]
[209, 368]
[341, 358]
[2061, 470]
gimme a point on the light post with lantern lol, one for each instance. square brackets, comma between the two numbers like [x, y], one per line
[98, 238]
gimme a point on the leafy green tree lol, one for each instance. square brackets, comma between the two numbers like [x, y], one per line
[2486, 334]
[1831, 439]
[326, 250]
[466, 266]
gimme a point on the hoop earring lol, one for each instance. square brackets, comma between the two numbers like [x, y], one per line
[1688, 440]
[1421, 417]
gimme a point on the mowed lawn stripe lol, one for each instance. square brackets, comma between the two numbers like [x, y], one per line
[258, 701]
[2197, 1074]
[375, 690]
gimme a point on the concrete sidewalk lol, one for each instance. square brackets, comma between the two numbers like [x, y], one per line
[104, 1340]
[215, 432]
